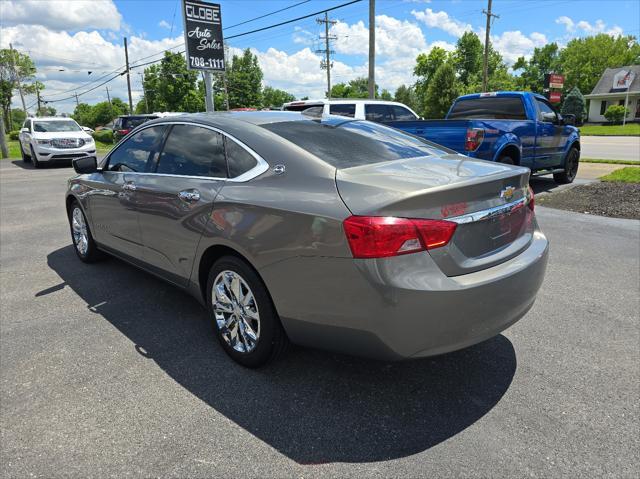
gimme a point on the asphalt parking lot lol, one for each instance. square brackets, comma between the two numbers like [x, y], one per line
[107, 371]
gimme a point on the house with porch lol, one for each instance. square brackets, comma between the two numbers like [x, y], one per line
[615, 87]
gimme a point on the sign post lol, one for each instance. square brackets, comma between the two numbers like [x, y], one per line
[204, 42]
[622, 81]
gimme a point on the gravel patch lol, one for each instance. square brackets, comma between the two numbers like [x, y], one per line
[617, 200]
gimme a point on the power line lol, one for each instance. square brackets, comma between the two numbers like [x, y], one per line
[267, 14]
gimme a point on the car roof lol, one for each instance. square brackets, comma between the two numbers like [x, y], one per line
[222, 118]
[324, 101]
[51, 118]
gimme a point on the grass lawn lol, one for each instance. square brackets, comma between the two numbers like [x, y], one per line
[630, 129]
[14, 148]
[610, 162]
[624, 175]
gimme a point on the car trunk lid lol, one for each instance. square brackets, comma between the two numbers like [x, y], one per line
[487, 200]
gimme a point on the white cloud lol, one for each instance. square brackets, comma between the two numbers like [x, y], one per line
[443, 21]
[62, 14]
[164, 24]
[515, 44]
[303, 37]
[585, 27]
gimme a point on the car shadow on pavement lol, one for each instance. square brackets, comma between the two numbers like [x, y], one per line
[29, 166]
[312, 406]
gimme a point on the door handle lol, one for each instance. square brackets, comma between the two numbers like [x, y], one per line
[189, 196]
[129, 186]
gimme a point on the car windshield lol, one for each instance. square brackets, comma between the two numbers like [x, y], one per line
[353, 143]
[131, 122]
[55, 126]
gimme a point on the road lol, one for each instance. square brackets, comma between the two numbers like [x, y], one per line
[611, 147]
[107, 371]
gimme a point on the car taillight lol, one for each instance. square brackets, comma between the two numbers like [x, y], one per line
[383, 236]
[124, 132]
[532, 199]
[473, 139]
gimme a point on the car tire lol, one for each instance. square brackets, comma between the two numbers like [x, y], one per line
[506, 159]
[81, 237]
[238, 317]
[34, 158]
[25, 158]
[570, 168]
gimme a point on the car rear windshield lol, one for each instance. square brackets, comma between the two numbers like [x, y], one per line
[55, 126]
[489, 108]
[300, 106]
[129, 123]
[353, 143]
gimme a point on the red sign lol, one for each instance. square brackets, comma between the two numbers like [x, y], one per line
[553, 80]
[555, 96]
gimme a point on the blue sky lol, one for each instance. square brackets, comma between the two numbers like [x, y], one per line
[69, 38]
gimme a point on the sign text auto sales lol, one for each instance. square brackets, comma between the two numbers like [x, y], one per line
[203, 35]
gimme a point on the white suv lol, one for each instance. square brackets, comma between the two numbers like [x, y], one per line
[53, 139]
[373, 110]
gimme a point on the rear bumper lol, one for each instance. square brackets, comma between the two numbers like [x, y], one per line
[401, 307]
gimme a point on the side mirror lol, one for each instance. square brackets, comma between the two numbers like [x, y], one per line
[24, 130]
[569, 119]
[85, 165]
[549, 117]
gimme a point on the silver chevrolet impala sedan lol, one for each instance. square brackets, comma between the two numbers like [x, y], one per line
[325, 232]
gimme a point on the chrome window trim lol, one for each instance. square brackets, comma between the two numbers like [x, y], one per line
[261, 164]
[489, 213]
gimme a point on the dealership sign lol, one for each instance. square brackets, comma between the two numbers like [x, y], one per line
[553, 80]
[555, 96]
[203, 35]
[622, 80]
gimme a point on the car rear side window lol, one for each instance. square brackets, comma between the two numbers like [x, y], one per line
[353, 143]
[402, 114]
[378, 113]
[489, 108]
[239, 160]
[343, 110]
[133, 154]
[193, 151]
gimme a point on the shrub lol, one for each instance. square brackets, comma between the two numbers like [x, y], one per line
[616, 113]
[13, 135]
[103, 136]
[575, 104]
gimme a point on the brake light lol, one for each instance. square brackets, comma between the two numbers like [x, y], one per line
[124, 132]
[473, 139]
[532, 199]
[384, 236]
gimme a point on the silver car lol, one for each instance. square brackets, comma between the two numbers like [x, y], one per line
[331, 233]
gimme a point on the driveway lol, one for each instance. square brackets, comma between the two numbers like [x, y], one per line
[107, 371]
[611, 147]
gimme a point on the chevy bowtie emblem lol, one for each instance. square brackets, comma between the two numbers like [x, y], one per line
[507, 193]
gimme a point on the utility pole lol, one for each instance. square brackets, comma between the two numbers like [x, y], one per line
[372, 49]
[77, 102]
[126, 57]
[326, 63]
[17, 78]
[38, 97]
[3, 139]
[485, 66]
[108, 97]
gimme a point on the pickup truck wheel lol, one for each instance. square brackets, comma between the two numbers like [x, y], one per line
[506, 159]
[570, 168]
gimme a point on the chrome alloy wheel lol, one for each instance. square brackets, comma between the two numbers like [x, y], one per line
[80, 234]
[236, 311]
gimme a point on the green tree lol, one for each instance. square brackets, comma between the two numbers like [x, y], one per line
[274, 98]
[443, 89]
[584, 60]
[544, 60]
[616, 113]
[17, 118]
[244, 81]
[46, 111]
[575, 104]
[386, 95]
[356, 88]
[407, 95]
[83, 114]
[14, 67]
[467, 57]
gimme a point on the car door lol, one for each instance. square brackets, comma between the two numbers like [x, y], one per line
[25, 136]
[549, 137]
[112, 201]
[174, 200]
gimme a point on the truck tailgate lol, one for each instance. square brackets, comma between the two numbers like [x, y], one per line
[448, 133]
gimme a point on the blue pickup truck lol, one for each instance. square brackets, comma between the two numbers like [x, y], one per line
[519, 128]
